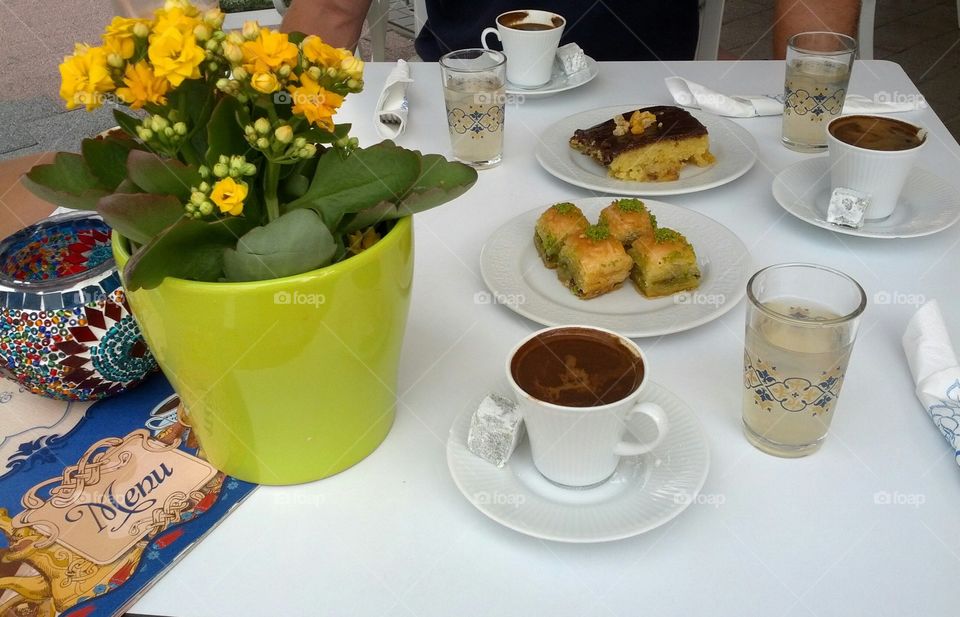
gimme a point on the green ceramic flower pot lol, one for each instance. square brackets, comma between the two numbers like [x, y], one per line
[291, 379]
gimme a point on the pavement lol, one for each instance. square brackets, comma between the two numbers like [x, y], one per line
[923, 36]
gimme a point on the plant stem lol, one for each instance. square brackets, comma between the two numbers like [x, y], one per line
[271, 180]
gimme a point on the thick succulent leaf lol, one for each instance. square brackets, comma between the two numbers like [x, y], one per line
[347, 184]
[295, 242]
[440, 181]
[384, 211]
[188, 249]
[127, 122]
[224, 133]
[107, 159]
[161, 176]
[140, 216]
[127, 186]
[66, 182]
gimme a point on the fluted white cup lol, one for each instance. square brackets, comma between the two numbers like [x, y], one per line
[581, 446]
[530, 53]
[880, 174]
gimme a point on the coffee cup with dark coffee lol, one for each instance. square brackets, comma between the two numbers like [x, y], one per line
[577, 387]
[873, 155]
[530, 39]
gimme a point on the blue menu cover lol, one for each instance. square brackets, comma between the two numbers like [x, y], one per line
[99, 500]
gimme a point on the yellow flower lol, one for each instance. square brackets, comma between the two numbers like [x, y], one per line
[119, 38]
[229, 194]
[265, 82]
[85, 77]
[175, 56]
[352, 66]
[268, 52]
[180, 15]
[321, 54]
[314, 103]
[142, 86]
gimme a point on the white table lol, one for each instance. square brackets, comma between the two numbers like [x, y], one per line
[393, 535]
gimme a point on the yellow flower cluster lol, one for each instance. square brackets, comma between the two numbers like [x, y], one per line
[140, 60]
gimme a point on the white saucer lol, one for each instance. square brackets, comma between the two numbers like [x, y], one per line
[928, 203]
[559, 81]
[645, 492]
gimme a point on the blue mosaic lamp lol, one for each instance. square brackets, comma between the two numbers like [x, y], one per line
[65, 328]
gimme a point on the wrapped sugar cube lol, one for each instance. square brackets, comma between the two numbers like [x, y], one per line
[571, 58]
[495, 429]
[847, 207]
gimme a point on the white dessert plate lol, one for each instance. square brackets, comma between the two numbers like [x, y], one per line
[559, 81]
[733, 145]
[928, 203]
[517, 278]
[645, 492]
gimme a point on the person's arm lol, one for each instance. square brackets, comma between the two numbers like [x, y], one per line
[794, 16]
[337, 22]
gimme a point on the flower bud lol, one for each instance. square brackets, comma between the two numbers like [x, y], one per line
[250, 30]
[223, 84]
[263, 143]
[354, 85]
[284, 71]
[262, 126]
[224, 159]
[232, 52]
[284, 134]
[308, 151]
[115, 60]
[213, 66]
[234, 38]
[144, 133]
[204, 187]
[204, 171]
[197, 198]
[206, 208]
[331, 72]
[249, 169]
[249, 131]
[210, 46]
[315, 73]
[202, 32]
[352, 66]
[299, 142]
[141, 30]
[220, 170]
[240, 74]
[213, 18]
[180, 128]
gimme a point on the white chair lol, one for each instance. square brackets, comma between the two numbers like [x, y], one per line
[868, 9]
[711, 21]
[266, 17]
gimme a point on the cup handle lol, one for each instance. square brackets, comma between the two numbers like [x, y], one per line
[483, 36]
[659, 417]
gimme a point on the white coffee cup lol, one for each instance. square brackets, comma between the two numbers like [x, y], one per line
[580, 446]
[880, 174]
[530, 53]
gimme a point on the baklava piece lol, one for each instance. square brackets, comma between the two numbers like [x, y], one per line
[553, 226]
[649, 144]
[593, 262]
[627, 220]
[664, 264]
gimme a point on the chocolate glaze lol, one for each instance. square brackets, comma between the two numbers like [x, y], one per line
[672, 123]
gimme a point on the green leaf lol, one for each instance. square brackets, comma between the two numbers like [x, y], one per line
[127, 186]
[224, 133]
[294, 243]
[293, 187]
[188, 249]
[66, 182]
[127, 122]
[140, 216]
[161, 176]
[107, 158]
[322, 136]
[347, 184]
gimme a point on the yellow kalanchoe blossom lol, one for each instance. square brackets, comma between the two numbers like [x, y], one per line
[268, 52]
[175, 56]
[119, 37]
[315, 103]
[85, 77]
[229, 194]
[353, 67]
[321, 54]
[142, 86]
[176, 14]
[264, 82]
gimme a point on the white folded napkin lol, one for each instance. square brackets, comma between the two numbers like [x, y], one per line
[390, 116]
[935, 370]
[692, 94]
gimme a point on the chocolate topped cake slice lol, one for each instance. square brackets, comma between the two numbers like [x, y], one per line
[649, 144]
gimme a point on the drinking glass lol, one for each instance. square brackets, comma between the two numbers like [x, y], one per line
[474, 90]
[802, 320]
[818, 71]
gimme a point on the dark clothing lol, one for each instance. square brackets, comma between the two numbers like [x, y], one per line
[606, 30]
